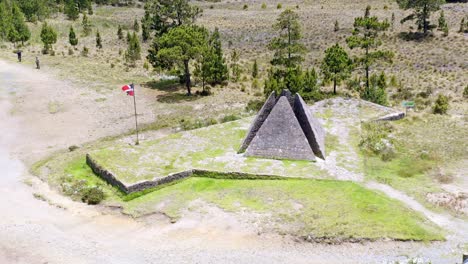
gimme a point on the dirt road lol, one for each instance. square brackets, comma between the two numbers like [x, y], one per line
[39, 114]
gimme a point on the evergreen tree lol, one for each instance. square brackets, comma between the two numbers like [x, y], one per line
[336, 65]
[129, 37]
[442, 22]
[5, 19]
[365, 37]
[35, 10]
[217, 69]
[48, 37]
[98, 40]
[90, 10]
[422, 10]
[255, 69]
[165, 14]
[180, 46]
[86, 25]
[235, 67]
[71, 10]
[136, 26]
[19, 31]
[287, 47]
[145, 29]
[72, 37]
[133, 52]
[120, 32]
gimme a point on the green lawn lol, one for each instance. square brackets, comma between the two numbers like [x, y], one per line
[324, 208]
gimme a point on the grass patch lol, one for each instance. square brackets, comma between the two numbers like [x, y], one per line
[323, 208]
[421, 145]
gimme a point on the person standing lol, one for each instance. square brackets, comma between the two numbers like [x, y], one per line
[19, 55]
[37, 63]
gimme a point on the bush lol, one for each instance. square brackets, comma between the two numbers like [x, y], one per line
[465, 92]
[229, 118]
[93, 195]
[245, 7]
[279, 6]
[375, 140]
[254, 105]
[441, 105]
[85, 52]
[264, 6]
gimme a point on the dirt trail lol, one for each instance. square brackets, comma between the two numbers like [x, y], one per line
[35, 231]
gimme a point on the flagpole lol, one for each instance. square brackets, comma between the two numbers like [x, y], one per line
[136, 119]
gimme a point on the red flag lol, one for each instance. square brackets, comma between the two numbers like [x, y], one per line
[128, 89]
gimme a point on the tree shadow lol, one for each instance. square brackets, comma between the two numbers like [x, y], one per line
[173, 91]
[415, 36]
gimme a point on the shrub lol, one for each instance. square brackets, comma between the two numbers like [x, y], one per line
[375, 140]
[264, 6]
[254, 105]
[85, 52]
[465, 92]
[441, 105]
[229, 118]
[93, 195]
[279, 6]
[245, 7]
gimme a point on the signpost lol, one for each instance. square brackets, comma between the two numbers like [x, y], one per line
[407, 105]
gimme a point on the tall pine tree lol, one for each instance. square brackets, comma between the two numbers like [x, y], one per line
[365, 37]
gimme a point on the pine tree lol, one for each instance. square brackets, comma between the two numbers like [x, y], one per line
[422, 12]
[71, 10]
[235, 68]
[129, 36]
[98, 40]
[90, 10]
[48, 37]
[180, 46]
[337, 26]
[72, 37]
[365, 37]
[255, 69]
[145, 32]
[120, 32]
[145, 29]
[442, 22]
[19, 31]
[163, 15]
[287, 47]
[5, 19]
[133, 52]
[86, 25]
[217, 69]
[136, 26]
[336, 65]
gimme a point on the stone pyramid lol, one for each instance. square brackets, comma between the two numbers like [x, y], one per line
[285, 129]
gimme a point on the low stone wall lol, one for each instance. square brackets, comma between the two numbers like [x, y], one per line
[392, 117]
[110, 178]
[105, 174]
